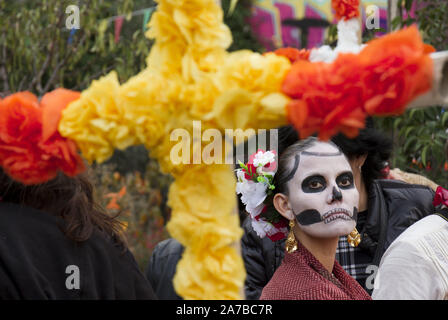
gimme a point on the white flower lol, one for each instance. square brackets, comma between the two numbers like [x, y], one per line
[263, 158]
[323, 54]
[261, 227]
[255, 211]
[252, 194]
[348, 35]
[240, 175]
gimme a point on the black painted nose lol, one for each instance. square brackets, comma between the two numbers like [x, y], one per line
[337, 194]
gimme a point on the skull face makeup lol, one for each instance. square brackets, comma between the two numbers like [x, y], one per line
[322, 192]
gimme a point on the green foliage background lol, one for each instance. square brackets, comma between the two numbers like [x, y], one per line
[35, 55]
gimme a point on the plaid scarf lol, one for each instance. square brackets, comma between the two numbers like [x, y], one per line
[354, 260]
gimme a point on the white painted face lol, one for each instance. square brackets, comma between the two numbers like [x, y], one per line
[322, 192]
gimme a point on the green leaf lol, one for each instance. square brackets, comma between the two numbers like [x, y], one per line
[445, 119]
[425, 149]
[412, 113]
[232, 7]
[408, 131]
[397, 122]
[409, 142]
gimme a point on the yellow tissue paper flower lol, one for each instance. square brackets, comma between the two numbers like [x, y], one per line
[254, 103]
[95, 121]
[144, 106]
[204, 220]
[222, 279]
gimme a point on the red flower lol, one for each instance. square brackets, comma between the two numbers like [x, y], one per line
[293, 54]
[346, 9]
[277, 236]
[281, 223]
[381, 80]
[31, 149]
[250, 172]
[441, 197]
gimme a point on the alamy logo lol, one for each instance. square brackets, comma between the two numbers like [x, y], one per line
[372, 17]
[208, 146]
[73, 20]
[72, 282]
[372, 282]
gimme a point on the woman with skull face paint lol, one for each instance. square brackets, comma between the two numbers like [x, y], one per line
[315, 191]
[386, 209]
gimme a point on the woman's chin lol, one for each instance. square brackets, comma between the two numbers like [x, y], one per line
[336, 228]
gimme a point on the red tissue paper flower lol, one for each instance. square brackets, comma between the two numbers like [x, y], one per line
[441, 197]
[346, 9]
[31, 149]
[381, 80]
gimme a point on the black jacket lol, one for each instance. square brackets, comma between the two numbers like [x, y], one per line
[38, 262]
[392, 207]
[162, 267]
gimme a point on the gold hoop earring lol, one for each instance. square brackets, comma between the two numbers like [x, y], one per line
[354, 238]
[291, 242]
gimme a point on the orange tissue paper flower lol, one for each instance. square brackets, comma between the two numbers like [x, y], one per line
[395, 69]
[325, 97]
[293, 54]
[31, 149]
[346, 9]
[381, 80]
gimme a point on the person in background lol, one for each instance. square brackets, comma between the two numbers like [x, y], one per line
[415, 266]
[162, 268]
[58, 243]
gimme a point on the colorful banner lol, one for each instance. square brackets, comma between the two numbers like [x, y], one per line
[268, 15]
[70, 36]
[118, 25]
[146, 16]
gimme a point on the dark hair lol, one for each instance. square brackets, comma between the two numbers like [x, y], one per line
[372, 142]
[71, 199]
[288, 162]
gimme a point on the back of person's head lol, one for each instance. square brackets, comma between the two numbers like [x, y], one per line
[371, 142]
[72, 199]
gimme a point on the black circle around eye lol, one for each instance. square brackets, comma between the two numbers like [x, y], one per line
[345, 180]
[313, 184]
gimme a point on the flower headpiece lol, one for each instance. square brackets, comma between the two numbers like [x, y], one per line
[31, 148]
[255, 184]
